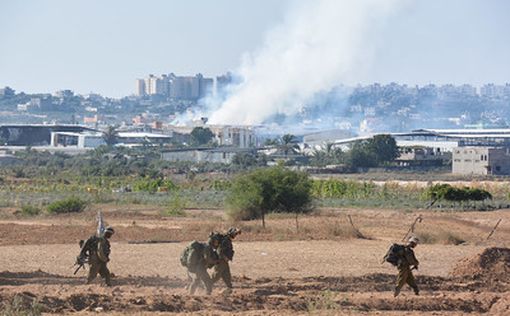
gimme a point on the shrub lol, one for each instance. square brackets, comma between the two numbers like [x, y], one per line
[175, 208]
[262, 191]
[69, 205]
[30, 210]
[447, 192]
[17, 307]
[154, 185]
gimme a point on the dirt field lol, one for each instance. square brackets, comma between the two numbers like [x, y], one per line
[320, 268]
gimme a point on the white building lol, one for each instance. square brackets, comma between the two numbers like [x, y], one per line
[140, 87]
[79, 140]
[91, 140]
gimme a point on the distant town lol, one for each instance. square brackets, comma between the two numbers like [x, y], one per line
[428, 123]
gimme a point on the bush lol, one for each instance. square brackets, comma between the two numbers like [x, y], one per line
[447, 192]
[154, 185]
[69, 205]
[30, 210]
[262, 191]
[175, 208]
[17, 307]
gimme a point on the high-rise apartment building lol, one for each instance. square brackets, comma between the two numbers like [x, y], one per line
[176, 87]
[140, 87]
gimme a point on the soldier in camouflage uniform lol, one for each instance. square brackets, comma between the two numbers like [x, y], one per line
[97, 251]
[198, 272]
[405, 274]
[226, 254]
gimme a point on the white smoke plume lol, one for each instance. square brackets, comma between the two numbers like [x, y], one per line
[319, 45]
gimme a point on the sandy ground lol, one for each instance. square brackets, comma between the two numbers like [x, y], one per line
[288, 259]
[320, 271]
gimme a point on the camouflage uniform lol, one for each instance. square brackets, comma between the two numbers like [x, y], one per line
[199, 273]
[98, 260]
[225, 254]
[405, 274]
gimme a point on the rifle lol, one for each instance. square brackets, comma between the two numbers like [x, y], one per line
[80, 262]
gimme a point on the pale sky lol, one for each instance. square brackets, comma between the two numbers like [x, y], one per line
[103, 46]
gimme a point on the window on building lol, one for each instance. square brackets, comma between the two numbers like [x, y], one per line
[498, 168]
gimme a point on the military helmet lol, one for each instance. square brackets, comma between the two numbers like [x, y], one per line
[214, 236]
[110, 230]
[414, 240]
[233, 231]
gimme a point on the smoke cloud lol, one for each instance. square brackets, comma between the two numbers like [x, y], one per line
[319, 45]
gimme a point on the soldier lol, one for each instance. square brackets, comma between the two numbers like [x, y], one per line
[96, 252]
[225, 254]
[405, 274]
[197, 258]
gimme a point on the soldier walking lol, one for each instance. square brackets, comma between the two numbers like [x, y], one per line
[96, 252]
[197, 258]
[405, 274]
[225, 254]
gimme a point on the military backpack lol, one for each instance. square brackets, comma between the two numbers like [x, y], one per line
[395, 254]
[192, 255]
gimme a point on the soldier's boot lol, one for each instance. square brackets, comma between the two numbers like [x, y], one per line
[108, 281]
[227, 291]
[416, 291]
[396, 292]
[193, 288]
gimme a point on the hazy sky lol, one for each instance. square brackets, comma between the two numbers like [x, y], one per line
[103, 46]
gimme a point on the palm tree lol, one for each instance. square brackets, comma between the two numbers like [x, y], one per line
[287, 144]
[110, 135]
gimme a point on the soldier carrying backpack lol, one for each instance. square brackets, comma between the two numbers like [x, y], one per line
[96, 252]
[402, 256]
[226, 254]
[197, 257]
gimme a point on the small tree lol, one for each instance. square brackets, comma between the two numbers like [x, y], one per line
[275, 189]
[110, 135]
[248, 160]
[201, 136]
[384, 148]
[361, 156]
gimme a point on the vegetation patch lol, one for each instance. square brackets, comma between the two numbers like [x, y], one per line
[30, 210]
[17, 307]
[263, 191]
[68, 205]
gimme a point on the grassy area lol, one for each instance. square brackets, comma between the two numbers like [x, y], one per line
[208, 191]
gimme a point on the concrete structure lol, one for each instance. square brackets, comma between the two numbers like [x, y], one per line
[176, 87]
[197, 155]
[234, 136]
[222, 82]
[81, 140]
[141, 89]
[42, 104]
[142, 138]
[90, 140]
[418, 156]
[481, 161]
[35, 134]
[323, 137]
[442, 139]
